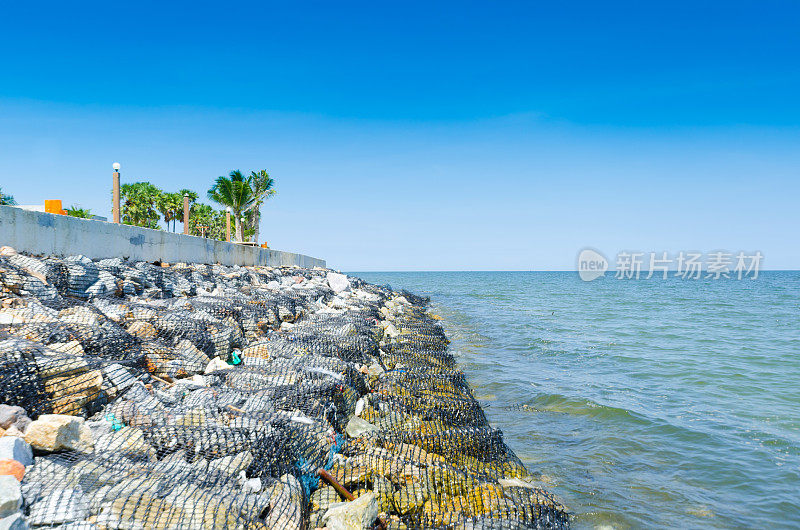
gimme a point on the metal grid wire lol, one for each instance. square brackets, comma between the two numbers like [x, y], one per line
[196, 396]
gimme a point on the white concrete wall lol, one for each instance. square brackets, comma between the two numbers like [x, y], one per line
[61, 235]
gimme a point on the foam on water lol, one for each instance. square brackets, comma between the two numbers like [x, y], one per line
[641, 403]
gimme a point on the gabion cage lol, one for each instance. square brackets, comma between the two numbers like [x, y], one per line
[196, 396]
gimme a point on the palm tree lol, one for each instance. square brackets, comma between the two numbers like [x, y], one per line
[6, 200]
[236, 193]
[170, 206]
[83, 213]
[139, 204]
[205, 221]
[261, 184]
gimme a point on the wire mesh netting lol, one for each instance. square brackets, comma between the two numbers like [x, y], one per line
[197, 396]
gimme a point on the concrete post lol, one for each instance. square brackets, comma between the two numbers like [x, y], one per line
[186, 215]
[115, 200]
[228, 225]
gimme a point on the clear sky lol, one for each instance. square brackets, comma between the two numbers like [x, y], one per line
[423, 136]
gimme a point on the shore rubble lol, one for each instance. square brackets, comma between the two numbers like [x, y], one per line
[139, 395]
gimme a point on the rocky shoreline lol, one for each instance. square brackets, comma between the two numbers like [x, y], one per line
[139, 395]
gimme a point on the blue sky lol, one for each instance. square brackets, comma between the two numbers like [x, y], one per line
[500, 136]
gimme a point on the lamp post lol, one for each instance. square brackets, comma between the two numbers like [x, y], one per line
[228, 224]
[115, 200]
[185, 214]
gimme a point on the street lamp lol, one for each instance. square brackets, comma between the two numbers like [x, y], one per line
[228, 224]
[115, 193]
[186, 214]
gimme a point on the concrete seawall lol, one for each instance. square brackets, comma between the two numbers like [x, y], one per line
[61, 235]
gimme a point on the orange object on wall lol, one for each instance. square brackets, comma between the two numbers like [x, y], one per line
[53, 206]
[264, 245]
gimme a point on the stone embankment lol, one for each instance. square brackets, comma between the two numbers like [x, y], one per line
[138, 395]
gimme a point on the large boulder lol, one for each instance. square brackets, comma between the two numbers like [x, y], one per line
[355, 515]
[338, 282]
[53, 432]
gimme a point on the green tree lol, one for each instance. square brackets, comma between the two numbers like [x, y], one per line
[205, 221]
[139, 204]
[243, 194]
[6, 200]
[171, 206]
[262, 185]
[233, 191]
[75, 211]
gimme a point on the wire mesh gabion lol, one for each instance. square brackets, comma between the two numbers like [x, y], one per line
[141, 395]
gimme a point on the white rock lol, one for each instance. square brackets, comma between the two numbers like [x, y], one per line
[391, 331]
[515, 482]
[338, 282]
[17, 449]
[273, 285]
[216, 364]
[359, 406]
[359, 427]
[354, 515]
[10, 495]
[376, 369]
[15, 521]
[253, 484]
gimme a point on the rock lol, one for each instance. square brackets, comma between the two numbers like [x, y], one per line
[70, 393]
[128, 441]
[15, 521]
[338, 282]
[72, 347]
[194, 360]
[359, 427]
[15, 448]
[216, 364]
[119, 376]
[384, 492]
[13, 431]
[13, 468]
[391, 330]
[143, 330]
[9, 415]
[324, 497]
[253, 484]
[53, 432]
[233, 464]
[355, 515]
[7, 252]
[286, 501]
[60, 506]
[10, 495]
[410, 498]
[515, 482]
